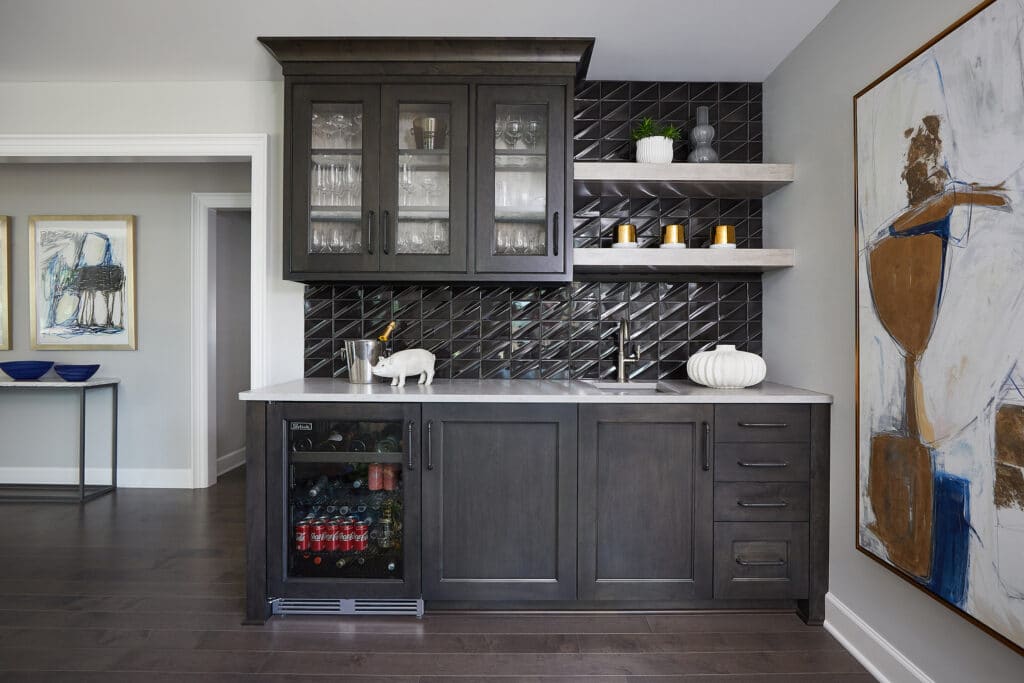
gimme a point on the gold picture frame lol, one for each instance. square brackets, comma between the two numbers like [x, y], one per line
[82, 283]
[5, 283]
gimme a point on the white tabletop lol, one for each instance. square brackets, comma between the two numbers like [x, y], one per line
[524, 391]
[56, 383]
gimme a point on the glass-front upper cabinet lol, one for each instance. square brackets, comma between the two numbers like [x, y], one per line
[521, 226]
[335, 166]
[424, 185]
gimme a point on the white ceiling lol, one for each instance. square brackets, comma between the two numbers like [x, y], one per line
[213, 40]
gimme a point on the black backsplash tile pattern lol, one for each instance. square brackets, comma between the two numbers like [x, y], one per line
[570, 332]
[567, 332]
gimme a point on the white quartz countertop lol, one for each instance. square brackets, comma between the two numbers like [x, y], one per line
[55, 383]
[527, 391]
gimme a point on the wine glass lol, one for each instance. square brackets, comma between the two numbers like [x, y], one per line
[406, 184]
[438, 237]
[336, 244]
[530, 136]
[499, 127]
[513, 131]
[430, 186]
[504, 240]
[520, 243]
[350, 183]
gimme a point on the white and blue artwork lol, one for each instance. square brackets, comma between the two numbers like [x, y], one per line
[83, 282]
[940, 319]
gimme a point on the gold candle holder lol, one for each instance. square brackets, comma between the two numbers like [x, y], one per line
[674, 234]
[626, 233]
[725, 234]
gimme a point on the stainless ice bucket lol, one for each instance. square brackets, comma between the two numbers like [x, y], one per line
[361, 354]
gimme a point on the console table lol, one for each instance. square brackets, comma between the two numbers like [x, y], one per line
[72, 493]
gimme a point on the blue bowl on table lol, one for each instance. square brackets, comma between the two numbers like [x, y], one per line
[26, 369]
[75, 373]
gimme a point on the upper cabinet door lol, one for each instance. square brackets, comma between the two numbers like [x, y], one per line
[424, 178]
[521, 221]
[335, 173]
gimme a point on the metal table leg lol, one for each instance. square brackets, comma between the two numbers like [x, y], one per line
[81, 446]
[113, 439]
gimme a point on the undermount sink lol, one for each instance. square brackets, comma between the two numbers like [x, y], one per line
[630, 387]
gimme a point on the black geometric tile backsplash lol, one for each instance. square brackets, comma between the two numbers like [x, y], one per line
[607, 111]
[569, 332]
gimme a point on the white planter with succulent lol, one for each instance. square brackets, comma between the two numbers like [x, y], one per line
[654, 142]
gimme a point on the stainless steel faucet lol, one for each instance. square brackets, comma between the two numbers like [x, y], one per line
[623, 357]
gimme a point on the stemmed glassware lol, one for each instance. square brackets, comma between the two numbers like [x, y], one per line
[530, 136]
[407, 184]
[350, 182]
[513, 131]
[430, 186]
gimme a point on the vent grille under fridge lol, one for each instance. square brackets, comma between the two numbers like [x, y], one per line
[336, 607]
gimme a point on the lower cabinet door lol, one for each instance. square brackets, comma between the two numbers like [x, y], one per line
[499, 502]
[645, 502]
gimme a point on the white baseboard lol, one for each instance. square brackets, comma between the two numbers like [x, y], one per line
[878, 655]
[230, 461]
[129, 478]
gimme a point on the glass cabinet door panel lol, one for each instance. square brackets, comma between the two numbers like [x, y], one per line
[521, 179]
[346, 499]
[424, 179]
[335, 178]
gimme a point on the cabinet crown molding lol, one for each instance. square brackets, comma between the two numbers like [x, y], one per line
[572, 54]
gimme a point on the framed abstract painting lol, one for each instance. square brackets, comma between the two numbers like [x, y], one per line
[82, 286]
[940, 318]
[5, 283]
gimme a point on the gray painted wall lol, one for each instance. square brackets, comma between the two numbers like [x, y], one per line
[230, 237]
[809, 310]
[39, 430]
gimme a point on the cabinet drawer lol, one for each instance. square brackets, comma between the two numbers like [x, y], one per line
[762, 423]
[761, 560]
[762, 462]
[761, 502]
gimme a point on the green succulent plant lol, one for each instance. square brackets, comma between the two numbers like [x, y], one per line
[649, 128]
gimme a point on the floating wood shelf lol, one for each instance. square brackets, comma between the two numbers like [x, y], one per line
[695, 260]
[733, 181]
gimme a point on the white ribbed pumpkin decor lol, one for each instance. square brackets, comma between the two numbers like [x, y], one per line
[726, 368]
[656, 149]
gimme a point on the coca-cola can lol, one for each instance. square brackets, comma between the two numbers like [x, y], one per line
[375, 477]
[333, 529]
[346, 530]
[302, 535]
[362, 536]
[388, 479]
[318, 536]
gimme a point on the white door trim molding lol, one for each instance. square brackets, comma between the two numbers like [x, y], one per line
[872, 650]
[245, 147]
[203, 338]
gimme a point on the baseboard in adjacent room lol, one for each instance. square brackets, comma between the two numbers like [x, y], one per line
[872, 650]
[230, 461]
[128, 478]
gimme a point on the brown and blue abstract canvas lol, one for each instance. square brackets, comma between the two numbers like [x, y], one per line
[82, 282]
[940, 239]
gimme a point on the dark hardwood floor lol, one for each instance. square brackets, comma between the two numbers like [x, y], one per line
[147, 585]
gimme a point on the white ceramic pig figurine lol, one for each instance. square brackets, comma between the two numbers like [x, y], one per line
[411, 362]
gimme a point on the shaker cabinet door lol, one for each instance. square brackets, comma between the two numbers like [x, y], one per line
[424, 178]
[331, 180]
[522, 222]
[499, 502]
[645, 502]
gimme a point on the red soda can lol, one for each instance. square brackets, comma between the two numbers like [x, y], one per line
[362, 536]
[388, 478]
[345, 533]
[333, 531]
[317, 536]
[375, 477]
[302, 535]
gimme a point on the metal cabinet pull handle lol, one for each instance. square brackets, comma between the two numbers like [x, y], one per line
[557, 233]
[430, 440]
[387, 231]
[371, 230]
[762, 464]
[412, 424]
[744, 504]
[760, 563]
[764, 425]
[707, 446]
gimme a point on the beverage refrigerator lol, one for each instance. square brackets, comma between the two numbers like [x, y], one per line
[343, 506]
